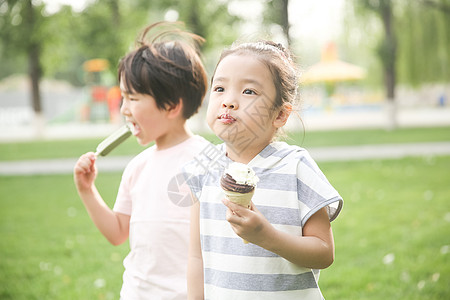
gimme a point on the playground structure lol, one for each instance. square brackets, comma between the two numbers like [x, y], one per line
[102, 101]
[330, 71]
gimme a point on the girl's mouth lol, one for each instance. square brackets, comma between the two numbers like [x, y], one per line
[226, 118]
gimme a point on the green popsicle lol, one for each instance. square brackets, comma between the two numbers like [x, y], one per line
[112, 141]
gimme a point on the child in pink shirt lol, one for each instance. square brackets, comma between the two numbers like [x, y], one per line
[163, 83]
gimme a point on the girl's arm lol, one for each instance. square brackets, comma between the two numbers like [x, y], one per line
[314, 249]
[195, 260]
[114, 226]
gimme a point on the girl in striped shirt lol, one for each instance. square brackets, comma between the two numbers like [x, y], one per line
[253, 90]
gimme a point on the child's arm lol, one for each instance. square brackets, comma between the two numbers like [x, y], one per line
[315, 249]
[195, 260]
[114, 226]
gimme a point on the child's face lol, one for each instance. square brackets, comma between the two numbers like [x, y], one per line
[149, 123]
[240, 109]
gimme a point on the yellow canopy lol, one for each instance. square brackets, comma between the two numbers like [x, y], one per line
[331, 69]
[96, 65]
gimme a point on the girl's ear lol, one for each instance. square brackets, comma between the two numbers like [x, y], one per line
[175, 110]
[283, 115]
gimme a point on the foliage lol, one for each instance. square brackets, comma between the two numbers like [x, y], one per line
[424, 52]
[209, 19]
[276, 12]
[105, 29]
[422, 31]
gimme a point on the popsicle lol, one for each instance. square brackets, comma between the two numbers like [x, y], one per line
[114, 140]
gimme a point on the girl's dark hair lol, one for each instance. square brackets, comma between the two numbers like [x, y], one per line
[280, 63]
[168, 68]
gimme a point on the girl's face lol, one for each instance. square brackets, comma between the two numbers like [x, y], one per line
[149, 122]
[240, 109]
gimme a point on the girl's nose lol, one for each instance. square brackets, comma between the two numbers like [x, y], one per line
[230, 105]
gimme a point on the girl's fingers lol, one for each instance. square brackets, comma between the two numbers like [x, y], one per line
[236, 214]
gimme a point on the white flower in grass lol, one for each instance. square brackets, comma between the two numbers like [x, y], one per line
[447, 217]
[57, 270]
[405, 277]
[388, 258]
[435, 277]
[445, 249]
[428, 195]
[421, 284]
[71, 212]
[44, 266]
[99, 283]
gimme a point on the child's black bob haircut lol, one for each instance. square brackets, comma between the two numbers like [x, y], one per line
[168, 68]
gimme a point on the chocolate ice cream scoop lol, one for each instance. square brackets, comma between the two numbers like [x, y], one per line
[229, 184]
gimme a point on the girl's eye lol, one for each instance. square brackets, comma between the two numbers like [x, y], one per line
[218, 89]
[249, 92]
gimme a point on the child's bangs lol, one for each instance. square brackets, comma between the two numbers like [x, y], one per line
[133, 75]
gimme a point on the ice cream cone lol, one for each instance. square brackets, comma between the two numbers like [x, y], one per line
[240, 198]
[238, 184]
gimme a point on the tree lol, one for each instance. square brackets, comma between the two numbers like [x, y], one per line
[276, 12]
[424, 42]
[209, 19]
[23, 30]
[414, 45]
[386, 50]
[56, 45]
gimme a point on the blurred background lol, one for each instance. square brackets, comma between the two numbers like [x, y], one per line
[374, 114]
[371, 63]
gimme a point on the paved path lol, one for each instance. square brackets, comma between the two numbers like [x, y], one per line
[342, 153]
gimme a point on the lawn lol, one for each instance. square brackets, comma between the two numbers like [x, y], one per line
[74, 148]
[49, 248]
[392, 238]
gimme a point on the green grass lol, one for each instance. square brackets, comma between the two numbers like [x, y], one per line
[50, 249]
[393, 208]
[369, 136]
[74, 148]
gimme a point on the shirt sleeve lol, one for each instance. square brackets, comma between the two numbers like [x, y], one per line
[315, 191]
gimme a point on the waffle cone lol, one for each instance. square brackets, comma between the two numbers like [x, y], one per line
[239, 198]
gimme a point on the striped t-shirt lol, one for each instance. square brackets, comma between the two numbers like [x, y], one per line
[291, 188]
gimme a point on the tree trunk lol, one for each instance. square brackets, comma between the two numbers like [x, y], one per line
[34, 71]
[35, 76]
[114, 6]
[285, 20]
[388, 54]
